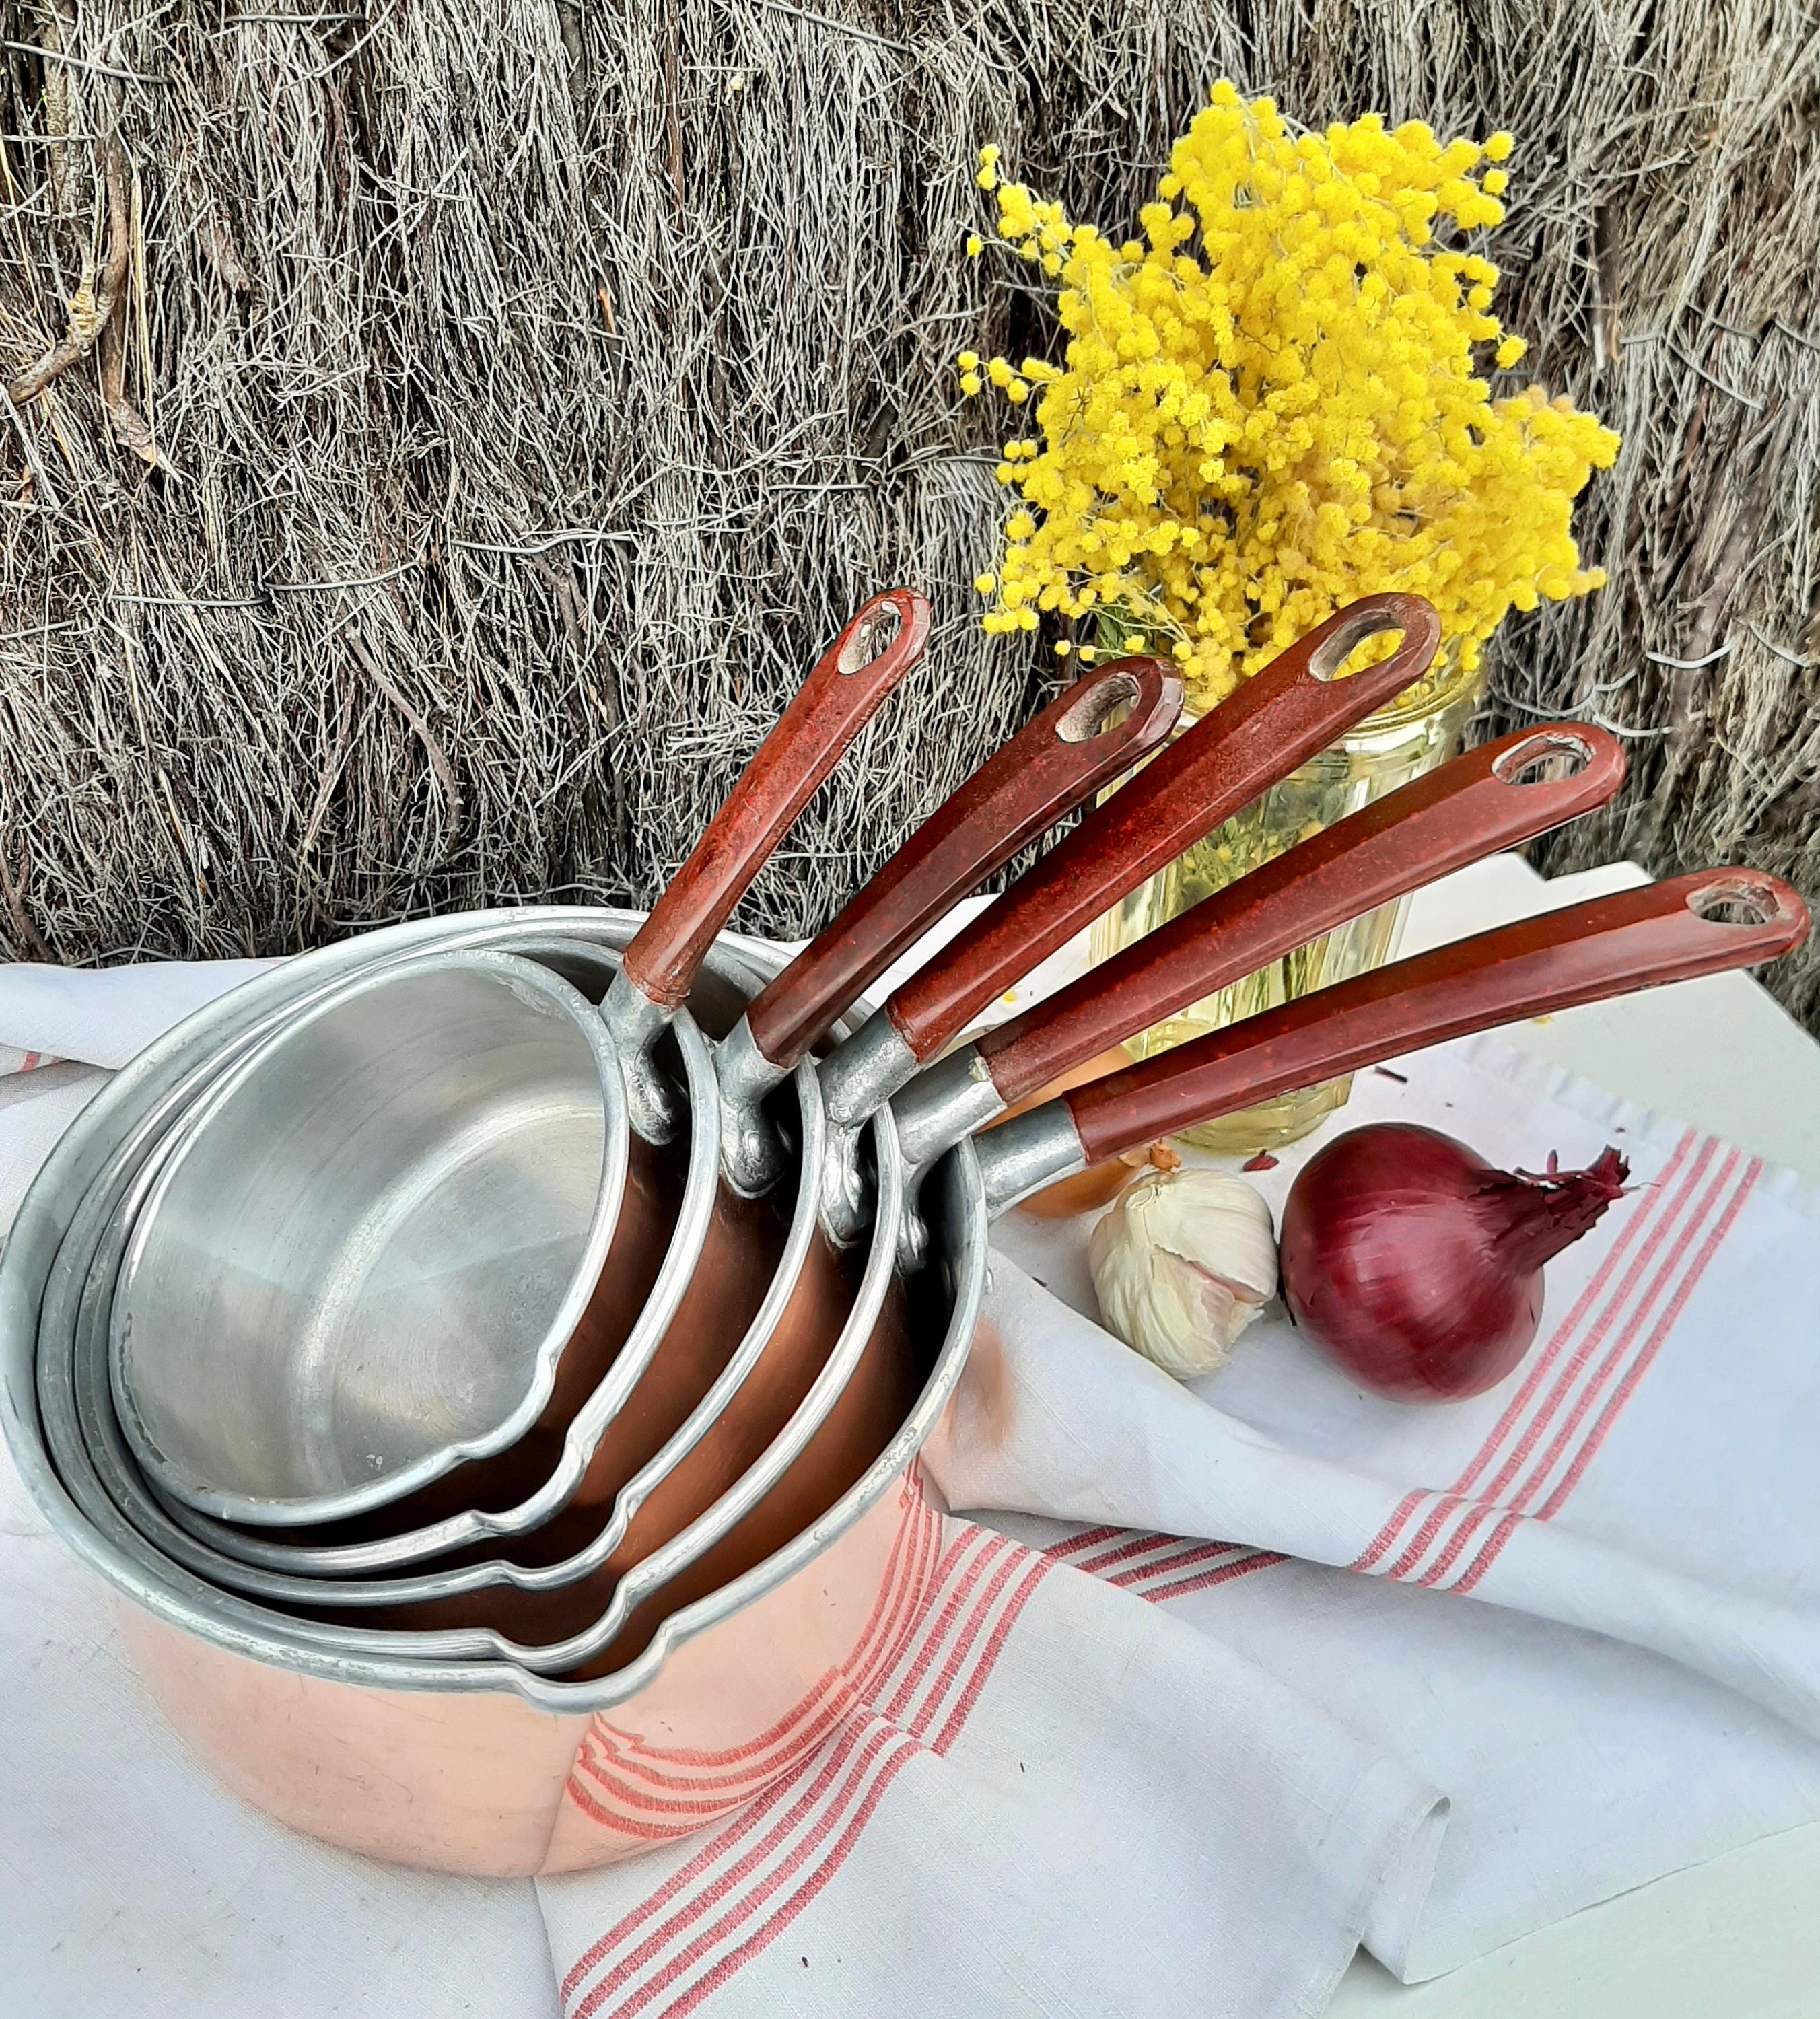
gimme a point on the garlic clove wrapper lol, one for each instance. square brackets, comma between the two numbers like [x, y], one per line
[1181, 1264]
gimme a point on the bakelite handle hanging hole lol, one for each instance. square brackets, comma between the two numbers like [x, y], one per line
[874, 634]
[1734, 902]
[1099, 709]
[1550, 754]
[1331, 654]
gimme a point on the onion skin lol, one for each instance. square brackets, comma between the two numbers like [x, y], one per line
[1418, 1266]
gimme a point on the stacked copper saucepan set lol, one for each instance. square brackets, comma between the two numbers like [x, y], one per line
[490, 1354]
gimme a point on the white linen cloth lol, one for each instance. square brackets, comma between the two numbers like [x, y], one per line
[1641, 1488]
[1057, 1800]
[1229, 1783]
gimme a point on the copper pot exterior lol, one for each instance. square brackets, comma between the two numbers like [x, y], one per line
[482, 1767]
[485, 1783]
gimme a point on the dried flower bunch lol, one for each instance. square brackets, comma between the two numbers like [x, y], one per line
[1273, 402]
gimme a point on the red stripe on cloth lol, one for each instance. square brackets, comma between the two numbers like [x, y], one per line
[989, 1657]
[878, 1739]
[928, 1530]
[1660, 1189]
[1625, 1296]
[1483, 1562]
[1476, 1517]
[1390, 1530]
[1627, 1386]
[1641, 1364]
[662, 1807]
[761, 1938]
[1447, 1503]
[1141, 1544]
[1036, 1569]
[985, 1547]
[1259, 1560]
[1183, 1559]
[831, 1802]
[966, 1638]
[1088, 1539]
[29, 1063]
[1639, 1314]
[703, 1860]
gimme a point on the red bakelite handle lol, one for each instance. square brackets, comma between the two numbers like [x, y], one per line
[853, 676]
[1478, 804]
[1072, 748]
[1582, 953]
[1273, 722]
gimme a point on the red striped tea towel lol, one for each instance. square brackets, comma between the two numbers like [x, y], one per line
[1647, 1472]
[1055, 1800]
[1576, 1766]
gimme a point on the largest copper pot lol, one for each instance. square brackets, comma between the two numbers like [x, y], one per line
[483, 1767]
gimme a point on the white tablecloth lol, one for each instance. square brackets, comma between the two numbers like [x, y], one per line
[252, 1913]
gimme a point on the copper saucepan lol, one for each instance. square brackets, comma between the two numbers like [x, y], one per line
[486, 1773]
[531, 1462]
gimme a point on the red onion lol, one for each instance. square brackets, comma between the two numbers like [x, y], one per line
[1418, 1266]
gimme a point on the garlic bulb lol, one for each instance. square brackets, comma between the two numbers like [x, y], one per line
[1182, 1264]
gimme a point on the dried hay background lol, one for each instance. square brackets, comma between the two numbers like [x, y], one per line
[480, 413]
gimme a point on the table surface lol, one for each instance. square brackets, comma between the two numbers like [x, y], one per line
[1738, 1938]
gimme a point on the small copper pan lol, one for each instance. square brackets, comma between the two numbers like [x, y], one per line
[676, 1228]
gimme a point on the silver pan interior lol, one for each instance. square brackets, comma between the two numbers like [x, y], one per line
[91, 1459]
[368, 1242]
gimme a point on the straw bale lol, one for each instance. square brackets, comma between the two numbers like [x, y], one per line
[444, 430]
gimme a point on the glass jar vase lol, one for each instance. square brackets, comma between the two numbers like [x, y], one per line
[1422, 728]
